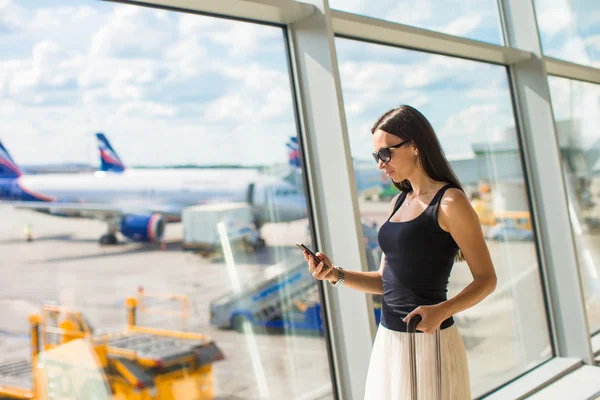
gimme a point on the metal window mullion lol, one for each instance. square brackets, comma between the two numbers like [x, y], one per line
[543, 168]
[375, 30]
[571, 70]
[278, 12]
[330, 176]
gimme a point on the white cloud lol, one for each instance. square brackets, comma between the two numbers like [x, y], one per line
[580, 102]
[188, 56]
[239, 39]
[24, 79]
[462, 18]
[245, 39]
[384, 76]
[470, 121]
[195, 25]
[462, 26]
[7, 107]
[59, 17]
[554, 16]
[46, 53]
[257, 94]
[354, 108]
[10, 14]
[575, 51]
[560, 89]
[246, 107]
[111, 78]
[147, 108]
[412, 12]
[362, 75]
[354, 6]
[130, 29]
[593, 42]
[495, 90]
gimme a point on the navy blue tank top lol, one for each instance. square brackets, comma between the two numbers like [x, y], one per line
[419, 256]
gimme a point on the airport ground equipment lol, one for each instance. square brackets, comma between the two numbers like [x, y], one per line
[263, 302]
[286, 297]
[137, 363]
[206, 226]
[153, 304]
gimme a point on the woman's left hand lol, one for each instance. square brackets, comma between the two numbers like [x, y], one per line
[432, 317]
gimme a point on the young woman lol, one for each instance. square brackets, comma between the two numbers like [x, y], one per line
[431, 225]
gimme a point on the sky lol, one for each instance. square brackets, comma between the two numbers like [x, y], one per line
[171, 88]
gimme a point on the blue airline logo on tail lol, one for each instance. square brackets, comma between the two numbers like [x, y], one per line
[109, 159]
[8, 168]
[294, 152]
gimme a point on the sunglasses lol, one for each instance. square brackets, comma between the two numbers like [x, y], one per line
[385, 155]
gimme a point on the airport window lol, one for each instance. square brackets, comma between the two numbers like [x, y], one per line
[569, 30]
[146, 149]
[469, 106]
[478, 20]
[576, 107]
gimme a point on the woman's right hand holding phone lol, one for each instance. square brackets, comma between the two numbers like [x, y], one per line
[322, 269]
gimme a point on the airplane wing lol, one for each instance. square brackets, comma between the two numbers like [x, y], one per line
[102, 212]
[82, 210]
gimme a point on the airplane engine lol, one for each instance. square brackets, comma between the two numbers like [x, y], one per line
[143, 227]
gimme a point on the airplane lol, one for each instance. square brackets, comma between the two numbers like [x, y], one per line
[139, 205]
[369, 179]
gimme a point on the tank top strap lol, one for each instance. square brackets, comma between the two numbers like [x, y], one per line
[437, 199]
[399, 202]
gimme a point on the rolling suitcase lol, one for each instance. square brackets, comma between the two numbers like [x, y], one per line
[411, 329]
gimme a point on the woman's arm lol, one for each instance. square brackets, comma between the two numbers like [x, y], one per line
[368, 282]
[456, 216]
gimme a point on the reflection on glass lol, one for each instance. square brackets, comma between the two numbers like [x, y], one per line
[569, 30]
[469, 106]
[576, 107]
[158, 255]
[478, 20]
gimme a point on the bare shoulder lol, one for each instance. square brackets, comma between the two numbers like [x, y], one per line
[454, 197]
[455, 206]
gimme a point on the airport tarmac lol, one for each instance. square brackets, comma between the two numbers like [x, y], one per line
[65, 264]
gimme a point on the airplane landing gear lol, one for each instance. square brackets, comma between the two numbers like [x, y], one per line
[259, 243]
[108, 239]
[256, 240]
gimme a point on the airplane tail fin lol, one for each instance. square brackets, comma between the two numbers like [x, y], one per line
[109, 160]
[8, 167]
[293, 153]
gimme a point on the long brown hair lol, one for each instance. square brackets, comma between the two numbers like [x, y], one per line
[408, 123]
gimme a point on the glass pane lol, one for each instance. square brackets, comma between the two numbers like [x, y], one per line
[576, 107]
[569, 29]
[478, 20]
[469, 105]
[172, 233]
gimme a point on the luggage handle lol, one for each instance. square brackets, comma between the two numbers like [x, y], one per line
[411, 328]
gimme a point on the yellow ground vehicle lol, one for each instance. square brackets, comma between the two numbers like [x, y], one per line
[521, 219]
[487, 216]
[70, 362]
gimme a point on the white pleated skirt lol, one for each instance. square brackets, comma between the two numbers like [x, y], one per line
[389, 369]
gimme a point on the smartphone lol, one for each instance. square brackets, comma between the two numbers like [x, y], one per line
[312, 253]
